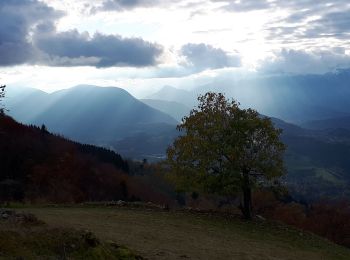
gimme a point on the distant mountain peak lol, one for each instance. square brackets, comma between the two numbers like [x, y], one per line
[169, 93]
[89, 113]
[173, 108]
[95, 87]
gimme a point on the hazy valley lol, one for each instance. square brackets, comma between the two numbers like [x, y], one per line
[317, 153]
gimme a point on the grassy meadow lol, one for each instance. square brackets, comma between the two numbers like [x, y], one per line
[157, 234]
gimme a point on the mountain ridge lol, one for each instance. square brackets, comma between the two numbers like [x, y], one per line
[329, 123]
[175, 109]
[91, 114]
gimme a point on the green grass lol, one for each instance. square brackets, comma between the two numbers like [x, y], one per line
[184, 235]
[36, 240]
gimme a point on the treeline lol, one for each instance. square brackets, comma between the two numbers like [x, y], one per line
[102, 154]
[38, 166]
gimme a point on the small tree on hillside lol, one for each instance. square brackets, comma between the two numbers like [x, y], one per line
[225, 149]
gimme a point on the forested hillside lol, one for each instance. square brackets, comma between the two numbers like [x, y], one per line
[38, 166]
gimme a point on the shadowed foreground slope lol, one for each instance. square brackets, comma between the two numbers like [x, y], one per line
[178, 235]
[23, 236]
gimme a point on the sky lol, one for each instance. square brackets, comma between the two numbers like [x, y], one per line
[142, 45]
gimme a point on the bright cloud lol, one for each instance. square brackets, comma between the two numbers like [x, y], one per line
[118, 42]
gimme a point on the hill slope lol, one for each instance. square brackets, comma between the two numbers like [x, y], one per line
[168, 93]
[23, 236]
[330, 123]
[175, 109]
[88, 113]
[39, 166]
[36, 164]
[316, 162]
[181, 235]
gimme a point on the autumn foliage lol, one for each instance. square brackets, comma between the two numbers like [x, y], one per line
[224, 149]
[37, 166]
[326, 218]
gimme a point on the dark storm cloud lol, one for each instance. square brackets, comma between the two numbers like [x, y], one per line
[301, 10]
[120, 5]
[28, 36]
[333, 24]
[127, 4]
[203, 56]
[312, 19]
[304, 4]
[334, 16]
[299, 5]
[16, 19]
[244, 6]
[330, 25]
[72, 48]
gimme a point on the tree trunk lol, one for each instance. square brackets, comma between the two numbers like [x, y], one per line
[247, 197]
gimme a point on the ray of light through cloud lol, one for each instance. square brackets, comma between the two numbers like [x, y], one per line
[115, 42]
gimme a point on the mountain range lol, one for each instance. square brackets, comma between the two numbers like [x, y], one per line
[329, 123]
[292, 98]
[175, 109]
[316, 159]
[88, 114]
[169, 93]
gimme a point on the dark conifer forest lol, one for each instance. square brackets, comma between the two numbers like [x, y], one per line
[38, 166]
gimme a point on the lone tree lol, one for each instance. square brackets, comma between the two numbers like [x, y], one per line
[2, 95]
[224, 149]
